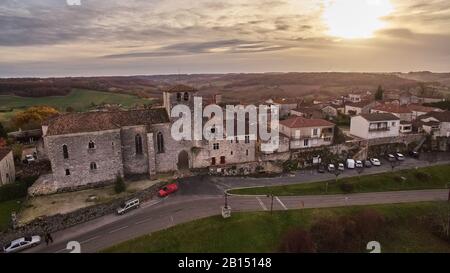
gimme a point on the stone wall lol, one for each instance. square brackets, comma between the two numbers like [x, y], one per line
[62, 221]
[107, 155]
[133, 163]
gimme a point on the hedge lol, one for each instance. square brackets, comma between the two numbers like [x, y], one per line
[16, 190]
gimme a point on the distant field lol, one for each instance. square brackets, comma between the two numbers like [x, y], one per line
[78, 99]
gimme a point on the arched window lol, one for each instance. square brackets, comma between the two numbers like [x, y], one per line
[138, 143]
[178, 96]
[93, 166]
[186, 96]
[65, 152]
[91, 145]
[160, 142]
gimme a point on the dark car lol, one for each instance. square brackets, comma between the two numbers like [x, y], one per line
[367, 164]
[321, 168]
[171, 188]
[414, 154]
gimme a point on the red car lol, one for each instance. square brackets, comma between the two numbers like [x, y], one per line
[171, 188]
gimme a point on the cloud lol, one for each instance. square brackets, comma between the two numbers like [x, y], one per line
[221, 46]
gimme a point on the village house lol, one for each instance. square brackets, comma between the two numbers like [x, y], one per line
[7, 168]
[358, 108]
[419, 110]
[435, 123]
[330, 110]
[307, 133]
[402, 112]
[376, 125]
[307, 112]
[285, 105]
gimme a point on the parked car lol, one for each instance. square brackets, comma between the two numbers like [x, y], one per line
[414, 154]
[341, 167]
[169, 189]
[22, 243]
[331, 168]
[350, 163]
[367, 164]
[321, 168]
[29, 159]
[128, 205]
[359, 164]
[375, 162]
[399, 156]
[391, 157]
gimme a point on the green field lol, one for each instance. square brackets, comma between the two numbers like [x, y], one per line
[435, 177]
[80, 100]
[260, 232]
[6, 208]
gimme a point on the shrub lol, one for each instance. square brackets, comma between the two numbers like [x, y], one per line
[347, 187]
[290, 165]
[329, 236]
[422, 176]
[119, 185]
[368, 225]
[297, 241]
[17, 189]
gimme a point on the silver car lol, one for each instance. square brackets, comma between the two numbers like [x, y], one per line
[22, 243]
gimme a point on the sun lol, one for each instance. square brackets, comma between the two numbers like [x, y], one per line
[355, 19]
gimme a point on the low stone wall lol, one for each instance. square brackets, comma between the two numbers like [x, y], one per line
[62, 221]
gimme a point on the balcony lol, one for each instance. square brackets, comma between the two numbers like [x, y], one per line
[381, 129]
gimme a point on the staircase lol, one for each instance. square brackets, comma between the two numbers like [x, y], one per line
[421, 142]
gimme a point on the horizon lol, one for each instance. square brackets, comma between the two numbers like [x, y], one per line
[59, 38]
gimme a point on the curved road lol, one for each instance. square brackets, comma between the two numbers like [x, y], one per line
[201, 197]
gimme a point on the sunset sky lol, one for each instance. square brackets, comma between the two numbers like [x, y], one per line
[117, 37]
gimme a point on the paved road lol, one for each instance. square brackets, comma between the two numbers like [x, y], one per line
[200, 197]
[175, 211]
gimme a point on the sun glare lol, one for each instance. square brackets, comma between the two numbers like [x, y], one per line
[355, 19]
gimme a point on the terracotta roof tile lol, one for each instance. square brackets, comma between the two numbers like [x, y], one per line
[300, 122]
[392, 108]
[101, 121]
[379, 116]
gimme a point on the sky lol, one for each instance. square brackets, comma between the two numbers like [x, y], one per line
[43, 38]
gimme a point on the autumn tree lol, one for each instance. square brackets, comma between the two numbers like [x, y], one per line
[33, 117]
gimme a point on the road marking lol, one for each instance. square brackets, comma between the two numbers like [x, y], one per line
[281, 203]
[90, 239]
[117, 229]
[143, 221]
[261, 203]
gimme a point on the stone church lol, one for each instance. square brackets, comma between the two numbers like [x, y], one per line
[87, 149]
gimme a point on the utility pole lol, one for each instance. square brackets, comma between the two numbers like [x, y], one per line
[271, 202]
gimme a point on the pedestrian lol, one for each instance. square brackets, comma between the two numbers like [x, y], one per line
[46, 239]
[49, 237]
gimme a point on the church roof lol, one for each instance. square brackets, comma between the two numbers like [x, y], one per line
[102, 121]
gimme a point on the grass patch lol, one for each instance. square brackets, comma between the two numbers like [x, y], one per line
[79, 99]
[435, 177]
[261, 232]
[6, 208]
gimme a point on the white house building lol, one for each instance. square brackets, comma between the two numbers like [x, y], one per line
[307, 133]
[377, 125]
[436, 123]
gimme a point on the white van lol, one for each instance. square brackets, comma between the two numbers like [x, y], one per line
[128, 205]
[350, 163]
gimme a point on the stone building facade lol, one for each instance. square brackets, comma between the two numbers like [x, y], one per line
[86, 149]
[7, 168]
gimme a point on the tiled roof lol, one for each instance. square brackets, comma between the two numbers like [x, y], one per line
[359, 104]
[4, 152]
[101, 121]
[379, 117]
[421, 108]
[392, 108]
[180, 88]
[300, 122]
[441, 116]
